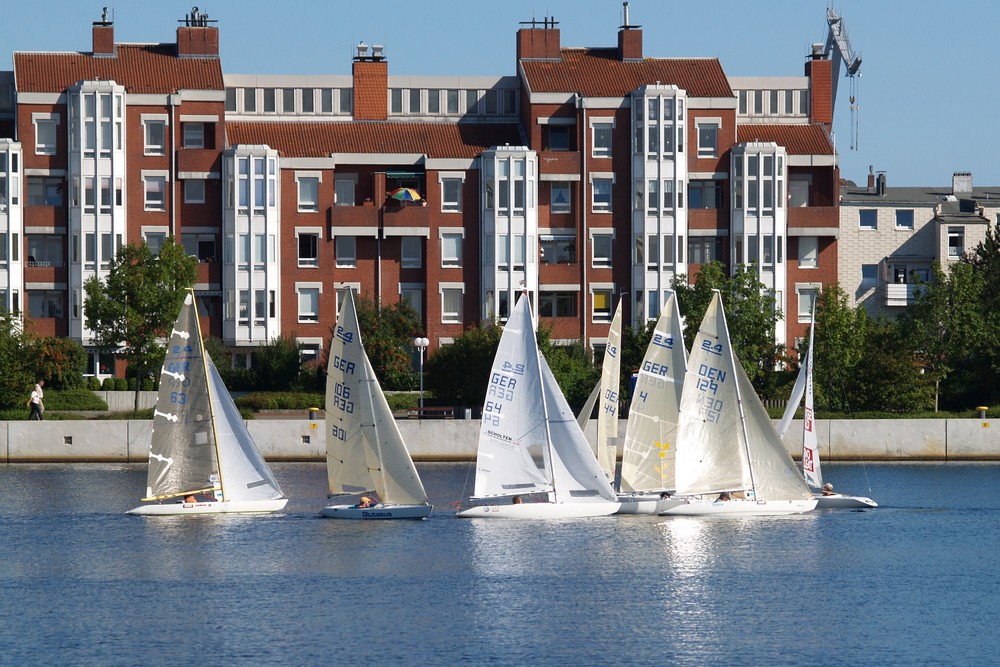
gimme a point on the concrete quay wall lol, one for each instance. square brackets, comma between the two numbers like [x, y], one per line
[455, 439]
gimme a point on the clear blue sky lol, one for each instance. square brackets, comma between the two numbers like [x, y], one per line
[927, 94]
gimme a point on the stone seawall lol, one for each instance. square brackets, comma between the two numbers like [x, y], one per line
[455, 440]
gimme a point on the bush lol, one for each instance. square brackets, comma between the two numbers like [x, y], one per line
[280, 400]
[401, 401]
[108, 384]
[73, 399]
[121, 384]
[148, 384]
[93, 384]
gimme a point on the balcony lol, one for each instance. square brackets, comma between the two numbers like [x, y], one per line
[559, 162]
[708, 218]
[405, 216]
[814, 220]
[364, 217]
[198, 160]
[899, 295]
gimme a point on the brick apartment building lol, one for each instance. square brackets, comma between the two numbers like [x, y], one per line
[590, 175]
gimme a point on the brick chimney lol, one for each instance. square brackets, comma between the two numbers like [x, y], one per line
[871, 178]
[196, 37]
[371, 84]
[535, 42]
[104, 37]
[629, 39]
[819, 70]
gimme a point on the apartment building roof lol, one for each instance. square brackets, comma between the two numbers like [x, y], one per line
[854, 195]
[437, 140]
[797, 139]
[141, 68]
[600, 72]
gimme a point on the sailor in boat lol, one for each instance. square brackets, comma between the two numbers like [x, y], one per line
[517, 500]
[723, 497]
[828, 489]
[366, 501]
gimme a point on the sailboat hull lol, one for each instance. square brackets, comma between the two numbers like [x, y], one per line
[225, 507]
[644, 503]
[540, 511]
[712, 507]
[841, 501]
[378, 512]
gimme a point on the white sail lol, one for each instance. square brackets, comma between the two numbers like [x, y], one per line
[200, 444]
[726, 439]
[810, 447]
[583, 418]
[648, 455]
[794, 400]
[364, 449]
[513, 431]
[606, 447]
[577, 476]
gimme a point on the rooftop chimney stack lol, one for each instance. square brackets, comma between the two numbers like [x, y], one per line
[539, 43]
[629, 38]
[371, 83]
[104, 36]
[871, 178]
[961, 183]
[880, 188]
[197, 37]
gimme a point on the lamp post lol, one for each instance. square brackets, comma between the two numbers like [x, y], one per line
[421, 344]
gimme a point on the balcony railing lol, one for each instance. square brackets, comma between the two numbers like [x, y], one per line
[899, 294]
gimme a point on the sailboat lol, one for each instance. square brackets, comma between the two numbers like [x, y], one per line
[200, 445]
[648, 455]
[606, 446]
[730, 460]
[526, 415]
[364, 449]
[811, 470]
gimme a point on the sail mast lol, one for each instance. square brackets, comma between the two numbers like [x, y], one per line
[208, 389]
[545, 407]
[739, 398]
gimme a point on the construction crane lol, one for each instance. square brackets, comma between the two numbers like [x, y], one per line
[837, 39]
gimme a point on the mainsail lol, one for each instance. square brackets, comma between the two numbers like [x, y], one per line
[606, 448]
[804, 388]
[648, 456]
[364, 448]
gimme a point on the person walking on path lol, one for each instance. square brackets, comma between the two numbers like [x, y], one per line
[35, 402]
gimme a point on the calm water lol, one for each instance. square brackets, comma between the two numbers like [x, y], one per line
[913, 582]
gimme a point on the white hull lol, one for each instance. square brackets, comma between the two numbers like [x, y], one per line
[540, 511]
[378, 512]
[841, 501]
[711, 507]
[226, 507]
[644, 503]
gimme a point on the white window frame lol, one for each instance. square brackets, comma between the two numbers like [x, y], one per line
[154, 177]
[303, 180]
[808, 252]
[451, 317]
[603, 288]
[417, 289]
[601, 207]
[343, 195]
[148, 122]
[560, 208]
[308, 289]
[46, 124]
[317, 233]
[706, 123]
[595, 261]
[873, 213]
[805, 297]
[600, 151]
[905, 227]
[451, 202]
[193, 134]
[346, 251]
[449, 235]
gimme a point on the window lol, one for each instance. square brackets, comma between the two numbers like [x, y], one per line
[704, 194]
[601, 246]
[343, 190]
[396, 100]
[451, 100]
[194, 191]
[560, 198]
[808, 252]
[156, 188]
[308, 193]
[869, 275]
[250, 99]
[557, 304]
[451, 250]
[708, 140]
[956, 242]
[155, 241]
[904, 219]
[308, 304]
[451, 305]
[194, 135]
[288, 100]
[346, 100]
[414, 101]
[704, 249]
[155, 136]
[414, 296]
[472, 101]
[347, 251]
[45, 136]
[868, 218]
[308, 249]
[411, 253]
[45, 303]
[326, 100]
[601, 299]
[45, 191]
[451, 194]
[601, 202]
[231, 100]
[308, 100]
[270, 100]
[201, 246]
[602, 140]
[433, 101]
[557, 138]
[558, 249]
[806, 298]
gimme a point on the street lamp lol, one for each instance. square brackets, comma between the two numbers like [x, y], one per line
[421, 344]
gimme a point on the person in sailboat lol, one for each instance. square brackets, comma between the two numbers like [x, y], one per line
[828, 489]
[723, 497]
[365, 501]
[517, 500]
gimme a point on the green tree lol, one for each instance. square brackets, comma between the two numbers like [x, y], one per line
[841, 333]
[887, 379]
[17, 374]
[61, 362]
[388, 332]
[459, 373]
[134, 308]
[574, 370]
[277, 365]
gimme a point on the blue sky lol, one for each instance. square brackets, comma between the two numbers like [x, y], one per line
[927, 98]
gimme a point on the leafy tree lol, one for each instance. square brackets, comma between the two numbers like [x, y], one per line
[61, 362]
[840, 339]
[277, 365]
[388, 332]
[460, 373]
[887, 378]
[574, 370]
[17, 375]
[135, 307]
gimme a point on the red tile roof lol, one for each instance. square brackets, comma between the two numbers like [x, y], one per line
[797, 139]
[439, 140]
[600, 73]
[141, 68]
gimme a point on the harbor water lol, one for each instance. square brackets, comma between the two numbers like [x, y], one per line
[912, 582]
